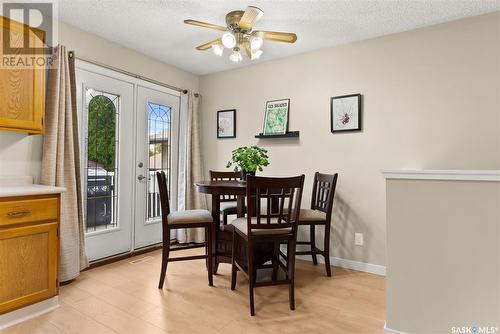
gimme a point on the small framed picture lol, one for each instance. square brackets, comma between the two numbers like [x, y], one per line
[226, 123]
[345, 113]
[276, 117]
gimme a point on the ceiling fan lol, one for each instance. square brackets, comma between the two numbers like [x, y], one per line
[239, 35]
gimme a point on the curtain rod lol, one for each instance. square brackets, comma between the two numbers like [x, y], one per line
[137, 76]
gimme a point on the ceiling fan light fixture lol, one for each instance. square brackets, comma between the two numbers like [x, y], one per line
[256, 54]
[236, 56]
[256, 43]
[229, 40]
[239, 35]
[218, 49]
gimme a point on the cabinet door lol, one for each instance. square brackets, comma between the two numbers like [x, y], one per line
[28, 265]
[22, 89]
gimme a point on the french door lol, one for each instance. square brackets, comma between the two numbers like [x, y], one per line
[157, 150]
[129, 131]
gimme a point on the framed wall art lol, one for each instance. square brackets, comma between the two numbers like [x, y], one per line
[226, 123]
[345, 113]
[276, 117]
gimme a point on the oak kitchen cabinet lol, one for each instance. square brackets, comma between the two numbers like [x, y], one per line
[22, 89]
[29, 245]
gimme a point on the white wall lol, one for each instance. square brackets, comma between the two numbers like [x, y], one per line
[431, 101]
[21, 154]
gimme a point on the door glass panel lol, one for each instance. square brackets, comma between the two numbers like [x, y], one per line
[159, 143]
[101, 142]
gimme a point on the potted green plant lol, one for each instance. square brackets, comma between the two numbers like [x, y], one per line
[247, 160]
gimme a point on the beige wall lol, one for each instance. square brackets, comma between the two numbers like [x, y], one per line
[21, 154]
[431, 101]
[443, 255]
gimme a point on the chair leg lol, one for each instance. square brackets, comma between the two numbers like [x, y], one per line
[164, 257]
[291, 295]
[326, 251]
[207, 238]
[251, 279]
[215, 263]
[276, 259]
[234, 269]
[313, 243]
[291, 273]
[210, 232]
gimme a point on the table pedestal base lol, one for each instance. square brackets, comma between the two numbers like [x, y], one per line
[225, 248]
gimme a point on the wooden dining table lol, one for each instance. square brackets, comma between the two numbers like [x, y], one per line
[223, 240]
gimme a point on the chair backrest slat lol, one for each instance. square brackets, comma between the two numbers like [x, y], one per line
[324, 192]
[164, 203]
[225, 176]
[287, 191]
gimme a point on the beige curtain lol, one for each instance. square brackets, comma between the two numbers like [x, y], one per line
[193, 168]
[61, 161]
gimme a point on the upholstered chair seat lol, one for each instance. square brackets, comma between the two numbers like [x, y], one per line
[189, 216]
[312, 215]
[228, 206]
[241, 225]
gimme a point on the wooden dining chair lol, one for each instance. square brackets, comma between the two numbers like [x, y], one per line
[183, 219]
[228, 204]
[265, 226]
[319, 214]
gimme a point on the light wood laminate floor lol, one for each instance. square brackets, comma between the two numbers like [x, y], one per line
[123, 298]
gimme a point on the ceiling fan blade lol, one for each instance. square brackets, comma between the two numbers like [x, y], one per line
[246, 46]
[250, 17]
[276, 36]
[208, 45]
[205, 25]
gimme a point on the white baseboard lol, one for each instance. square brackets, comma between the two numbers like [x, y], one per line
[28, 312]
[349, 264]
[392, 331]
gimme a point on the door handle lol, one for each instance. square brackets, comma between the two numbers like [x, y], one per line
[141, 177]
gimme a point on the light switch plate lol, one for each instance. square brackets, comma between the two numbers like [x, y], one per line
[358, 239]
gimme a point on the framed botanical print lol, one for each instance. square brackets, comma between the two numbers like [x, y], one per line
[276, 117]
[345, 113]
[226, 123]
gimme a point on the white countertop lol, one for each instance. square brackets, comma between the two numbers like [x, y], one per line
[442, 174]
[23, 186]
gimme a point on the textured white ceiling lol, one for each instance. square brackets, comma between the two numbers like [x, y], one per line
[156, 28]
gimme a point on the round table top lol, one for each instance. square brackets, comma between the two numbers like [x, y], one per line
[221, 187]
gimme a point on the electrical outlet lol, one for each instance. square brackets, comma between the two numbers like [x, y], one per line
[358, 239]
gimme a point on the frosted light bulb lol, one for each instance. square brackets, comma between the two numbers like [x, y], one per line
[229, 40]
[218, 49]
[236, 57]
[256, 43]
[257, 54]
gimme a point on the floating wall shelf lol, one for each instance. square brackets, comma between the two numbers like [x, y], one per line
[289, 134]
